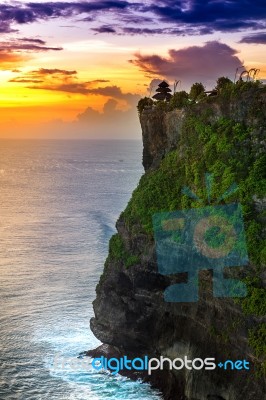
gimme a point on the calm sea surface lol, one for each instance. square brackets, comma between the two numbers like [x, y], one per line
[59, 202]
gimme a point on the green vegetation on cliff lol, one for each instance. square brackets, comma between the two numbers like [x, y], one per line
[225, 90]
[233, 152]
[257, 340]
[229, 144]
[118, 252]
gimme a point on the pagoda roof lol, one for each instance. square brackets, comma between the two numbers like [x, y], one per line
[163, 89]
[162, 96]
[163, 84]
[159, 96]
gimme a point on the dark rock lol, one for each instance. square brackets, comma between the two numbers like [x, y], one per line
[214, 397]
[104, 350]
[131, 316]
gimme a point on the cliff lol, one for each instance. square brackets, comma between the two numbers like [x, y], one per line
[225, 136]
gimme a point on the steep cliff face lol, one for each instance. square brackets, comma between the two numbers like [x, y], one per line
[226, 137]
[160, 134]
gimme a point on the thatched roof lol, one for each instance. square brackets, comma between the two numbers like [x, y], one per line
[163, 90]
[158, 96]
[163, 84]
[162, 96]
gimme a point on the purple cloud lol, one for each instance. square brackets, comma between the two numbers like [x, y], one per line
[31, 12]
[86, 88]
[52, 71]
[44, 75]
[32, 40]
[218, 15]
[196, 63]
[256, 38]
[104, 29]
[172, 16]
[5, 26]
[27, 44]
[21, 80]
[19, 50]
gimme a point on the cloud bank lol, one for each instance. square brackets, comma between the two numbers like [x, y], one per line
[176, 17]
[196, 63]
[21, 49]
[62, 80]
[255, 38]
[111, 123]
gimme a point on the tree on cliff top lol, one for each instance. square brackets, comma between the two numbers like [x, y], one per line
[179, 100]
[222, 83]
[146, 102]
[196, 90]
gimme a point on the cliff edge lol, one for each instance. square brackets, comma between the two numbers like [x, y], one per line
[224, 136]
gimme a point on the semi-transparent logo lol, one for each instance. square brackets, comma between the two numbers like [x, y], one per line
[210, 237]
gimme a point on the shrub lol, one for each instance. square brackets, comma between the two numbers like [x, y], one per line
[143, 103]
[257, 339]
[179, 100]
[196, 90]
[162, 106]
[222, 83]
[118, 252]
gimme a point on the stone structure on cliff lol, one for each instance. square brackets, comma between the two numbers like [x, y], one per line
[227, 136]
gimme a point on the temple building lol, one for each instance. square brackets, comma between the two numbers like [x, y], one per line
[163, 92]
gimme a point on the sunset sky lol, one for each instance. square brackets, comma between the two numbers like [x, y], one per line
[76, 69]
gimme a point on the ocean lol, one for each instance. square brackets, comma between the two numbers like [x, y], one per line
[59, 201]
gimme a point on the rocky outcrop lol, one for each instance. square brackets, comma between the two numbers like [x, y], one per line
[131, 316]
[160, 134]
[161, 131]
